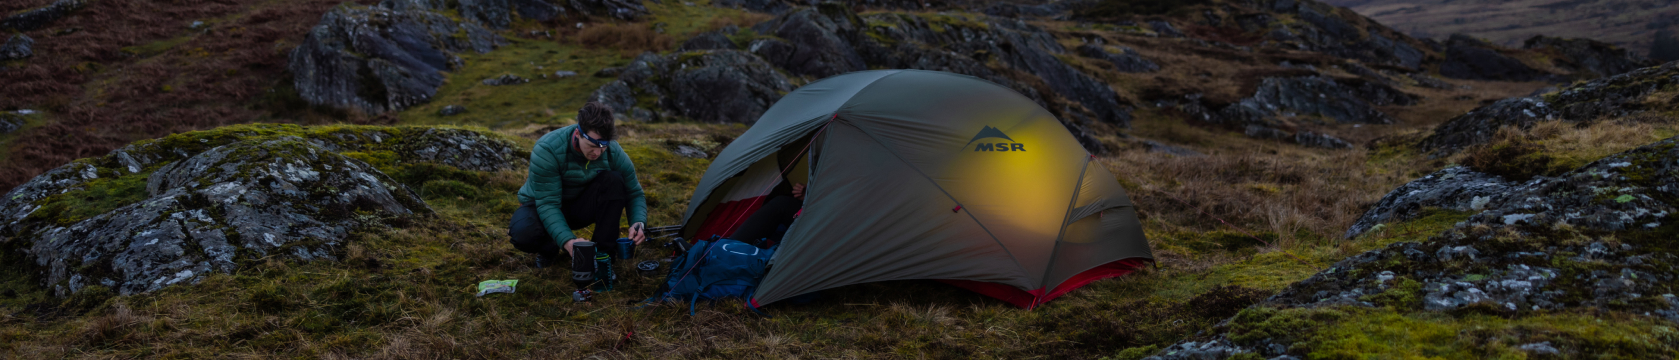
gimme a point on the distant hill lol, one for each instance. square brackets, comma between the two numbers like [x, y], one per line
[1633, 24]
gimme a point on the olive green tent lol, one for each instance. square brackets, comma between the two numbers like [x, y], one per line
[924, 175]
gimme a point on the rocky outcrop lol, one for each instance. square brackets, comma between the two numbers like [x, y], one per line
[216, 198]
[1473, 59]
[1328, 29]
[718, 86]
[830, 40]
[1599, 238]
[41, 17]
[1123, 58]
[1616, 96]
[1613, 210]
[1456, 188]
[1479, 125]
[1317, 95]
[1585, 57]
[382, 58]
[1026, 57]
[17, 47]
[1280, 106]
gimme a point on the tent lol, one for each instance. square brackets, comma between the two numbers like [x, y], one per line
[924, 175]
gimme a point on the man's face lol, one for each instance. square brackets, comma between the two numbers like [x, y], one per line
[586, 146]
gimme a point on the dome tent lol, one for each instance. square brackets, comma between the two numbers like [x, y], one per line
[924, 175]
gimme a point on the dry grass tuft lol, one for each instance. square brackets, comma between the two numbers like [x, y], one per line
[741, 19]
[1553, 147]
[629, 39]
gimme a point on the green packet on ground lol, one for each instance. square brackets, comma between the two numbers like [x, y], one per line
[496, 286]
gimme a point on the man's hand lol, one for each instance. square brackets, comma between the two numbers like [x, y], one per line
[799, 191]
[569, 245]
[637, 233]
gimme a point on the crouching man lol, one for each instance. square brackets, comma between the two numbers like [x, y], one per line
[578, 177]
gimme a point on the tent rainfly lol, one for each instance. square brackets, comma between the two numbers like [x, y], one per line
[924, 175]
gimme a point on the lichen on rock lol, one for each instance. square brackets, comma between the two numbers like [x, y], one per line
[1599, 238]
[213, 198]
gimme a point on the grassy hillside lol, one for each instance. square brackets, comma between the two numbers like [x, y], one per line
[1228, 229]
[1634, 25]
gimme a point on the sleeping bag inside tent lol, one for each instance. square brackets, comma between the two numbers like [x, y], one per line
[915, 174]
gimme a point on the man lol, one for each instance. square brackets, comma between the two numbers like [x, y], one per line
[578, 177]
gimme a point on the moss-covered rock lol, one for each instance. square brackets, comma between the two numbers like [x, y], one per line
[173, 210]
[1597, 240]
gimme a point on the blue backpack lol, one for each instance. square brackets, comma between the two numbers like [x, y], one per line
[713, 270]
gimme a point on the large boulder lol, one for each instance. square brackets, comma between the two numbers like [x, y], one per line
[1473, 59]
[1616, 96]
[810, 43]
[40, 17]
[214, 199]
[717, 86]
[17, 47]
[1586, 57]
[382, 58]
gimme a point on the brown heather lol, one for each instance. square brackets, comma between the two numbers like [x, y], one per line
[120, 71]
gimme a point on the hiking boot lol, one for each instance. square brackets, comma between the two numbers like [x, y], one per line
[546, 260]
[583, 295]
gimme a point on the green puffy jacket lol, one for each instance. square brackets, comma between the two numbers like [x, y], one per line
[559, 173]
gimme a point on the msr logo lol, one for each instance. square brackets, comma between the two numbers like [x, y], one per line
[992, 132]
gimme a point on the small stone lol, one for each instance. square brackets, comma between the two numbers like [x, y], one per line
[1544, 347]
[506, 79]
[565, 74]
[690, 151]
[452, 110]
[17, 47]
[195, 25]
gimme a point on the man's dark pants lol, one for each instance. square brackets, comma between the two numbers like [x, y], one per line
[601, 204]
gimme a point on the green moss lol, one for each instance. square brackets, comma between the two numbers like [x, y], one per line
[1259, 323]
[1134, 353]
[1383, 333]
[448, 189]
[1405, 294]
[95, 197]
